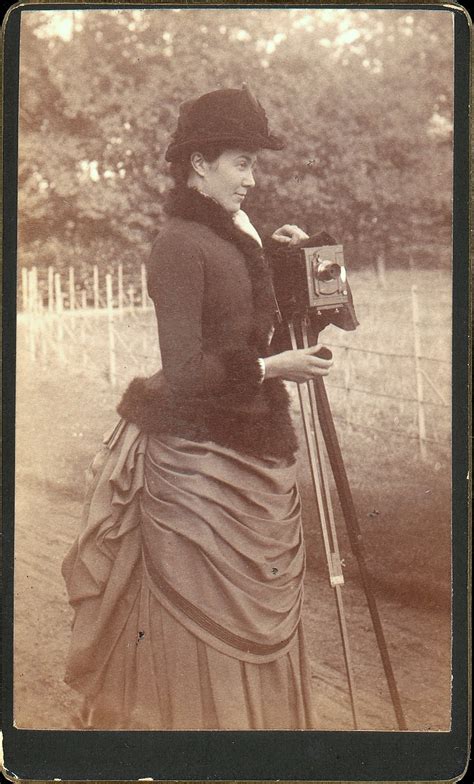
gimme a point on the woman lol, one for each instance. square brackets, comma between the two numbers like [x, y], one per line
[187, 580]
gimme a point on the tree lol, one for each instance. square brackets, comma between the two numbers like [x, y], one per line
[363, 98]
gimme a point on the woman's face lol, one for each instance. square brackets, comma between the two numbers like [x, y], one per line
[228, 178]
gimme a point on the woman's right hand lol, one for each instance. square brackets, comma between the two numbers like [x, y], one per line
[298, 365]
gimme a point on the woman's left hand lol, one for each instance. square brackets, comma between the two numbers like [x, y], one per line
[289, 234]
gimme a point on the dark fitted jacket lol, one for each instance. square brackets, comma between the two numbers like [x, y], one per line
[215, 308]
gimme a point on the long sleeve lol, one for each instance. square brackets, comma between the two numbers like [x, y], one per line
[176, 283]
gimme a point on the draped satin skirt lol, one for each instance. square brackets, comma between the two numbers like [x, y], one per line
[187, 583]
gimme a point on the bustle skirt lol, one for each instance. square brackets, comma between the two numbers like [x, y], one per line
[186, 582]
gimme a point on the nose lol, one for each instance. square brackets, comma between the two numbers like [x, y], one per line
[248, 180]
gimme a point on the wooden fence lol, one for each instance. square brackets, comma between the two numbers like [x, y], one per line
[49, 292]
[95, 328]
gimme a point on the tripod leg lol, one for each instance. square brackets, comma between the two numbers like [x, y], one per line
[335, 551]
[323, 499]
[355, 536]
[335, 575]
[347, 655]
[316, 479]
[332, 557]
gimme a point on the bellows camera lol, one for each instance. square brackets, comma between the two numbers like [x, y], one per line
[311, 279]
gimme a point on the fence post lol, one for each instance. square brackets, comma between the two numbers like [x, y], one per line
[144, 361]
[418, 372]
[96, 287]
[42, 325]
[83, 315]
[24, 289]
[131, 297]
[347, 382]
[120, 289]
[34, 273]
[50, 289]
[59, 315]
[72, 290]
[110, 320]
[144, 289]
[31, 313]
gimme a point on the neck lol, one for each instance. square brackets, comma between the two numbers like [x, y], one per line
[194, 182]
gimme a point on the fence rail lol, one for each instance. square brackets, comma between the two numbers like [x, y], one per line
[57, 318]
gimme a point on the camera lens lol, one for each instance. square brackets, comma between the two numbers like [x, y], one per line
[328, 270]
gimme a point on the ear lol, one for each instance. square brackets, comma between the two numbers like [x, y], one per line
[198, 163]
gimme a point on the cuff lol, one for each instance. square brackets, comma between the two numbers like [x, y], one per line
[243, 370]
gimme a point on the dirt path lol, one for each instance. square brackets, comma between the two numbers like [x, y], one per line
[55, 442]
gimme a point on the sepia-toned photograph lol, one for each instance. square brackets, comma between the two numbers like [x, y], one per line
[233, 369]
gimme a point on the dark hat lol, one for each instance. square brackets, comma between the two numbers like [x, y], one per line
[233, 116]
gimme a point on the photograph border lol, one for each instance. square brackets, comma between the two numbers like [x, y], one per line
[251, 755]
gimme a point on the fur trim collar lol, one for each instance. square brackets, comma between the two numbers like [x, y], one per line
[189, 204]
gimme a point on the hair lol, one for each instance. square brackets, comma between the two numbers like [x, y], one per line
[182, 168]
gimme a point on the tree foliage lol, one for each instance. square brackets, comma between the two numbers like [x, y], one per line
[363, 99]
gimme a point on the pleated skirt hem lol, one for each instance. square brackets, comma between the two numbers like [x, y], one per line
[160, 676]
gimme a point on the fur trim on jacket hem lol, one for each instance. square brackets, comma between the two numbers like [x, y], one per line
[262, 427]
